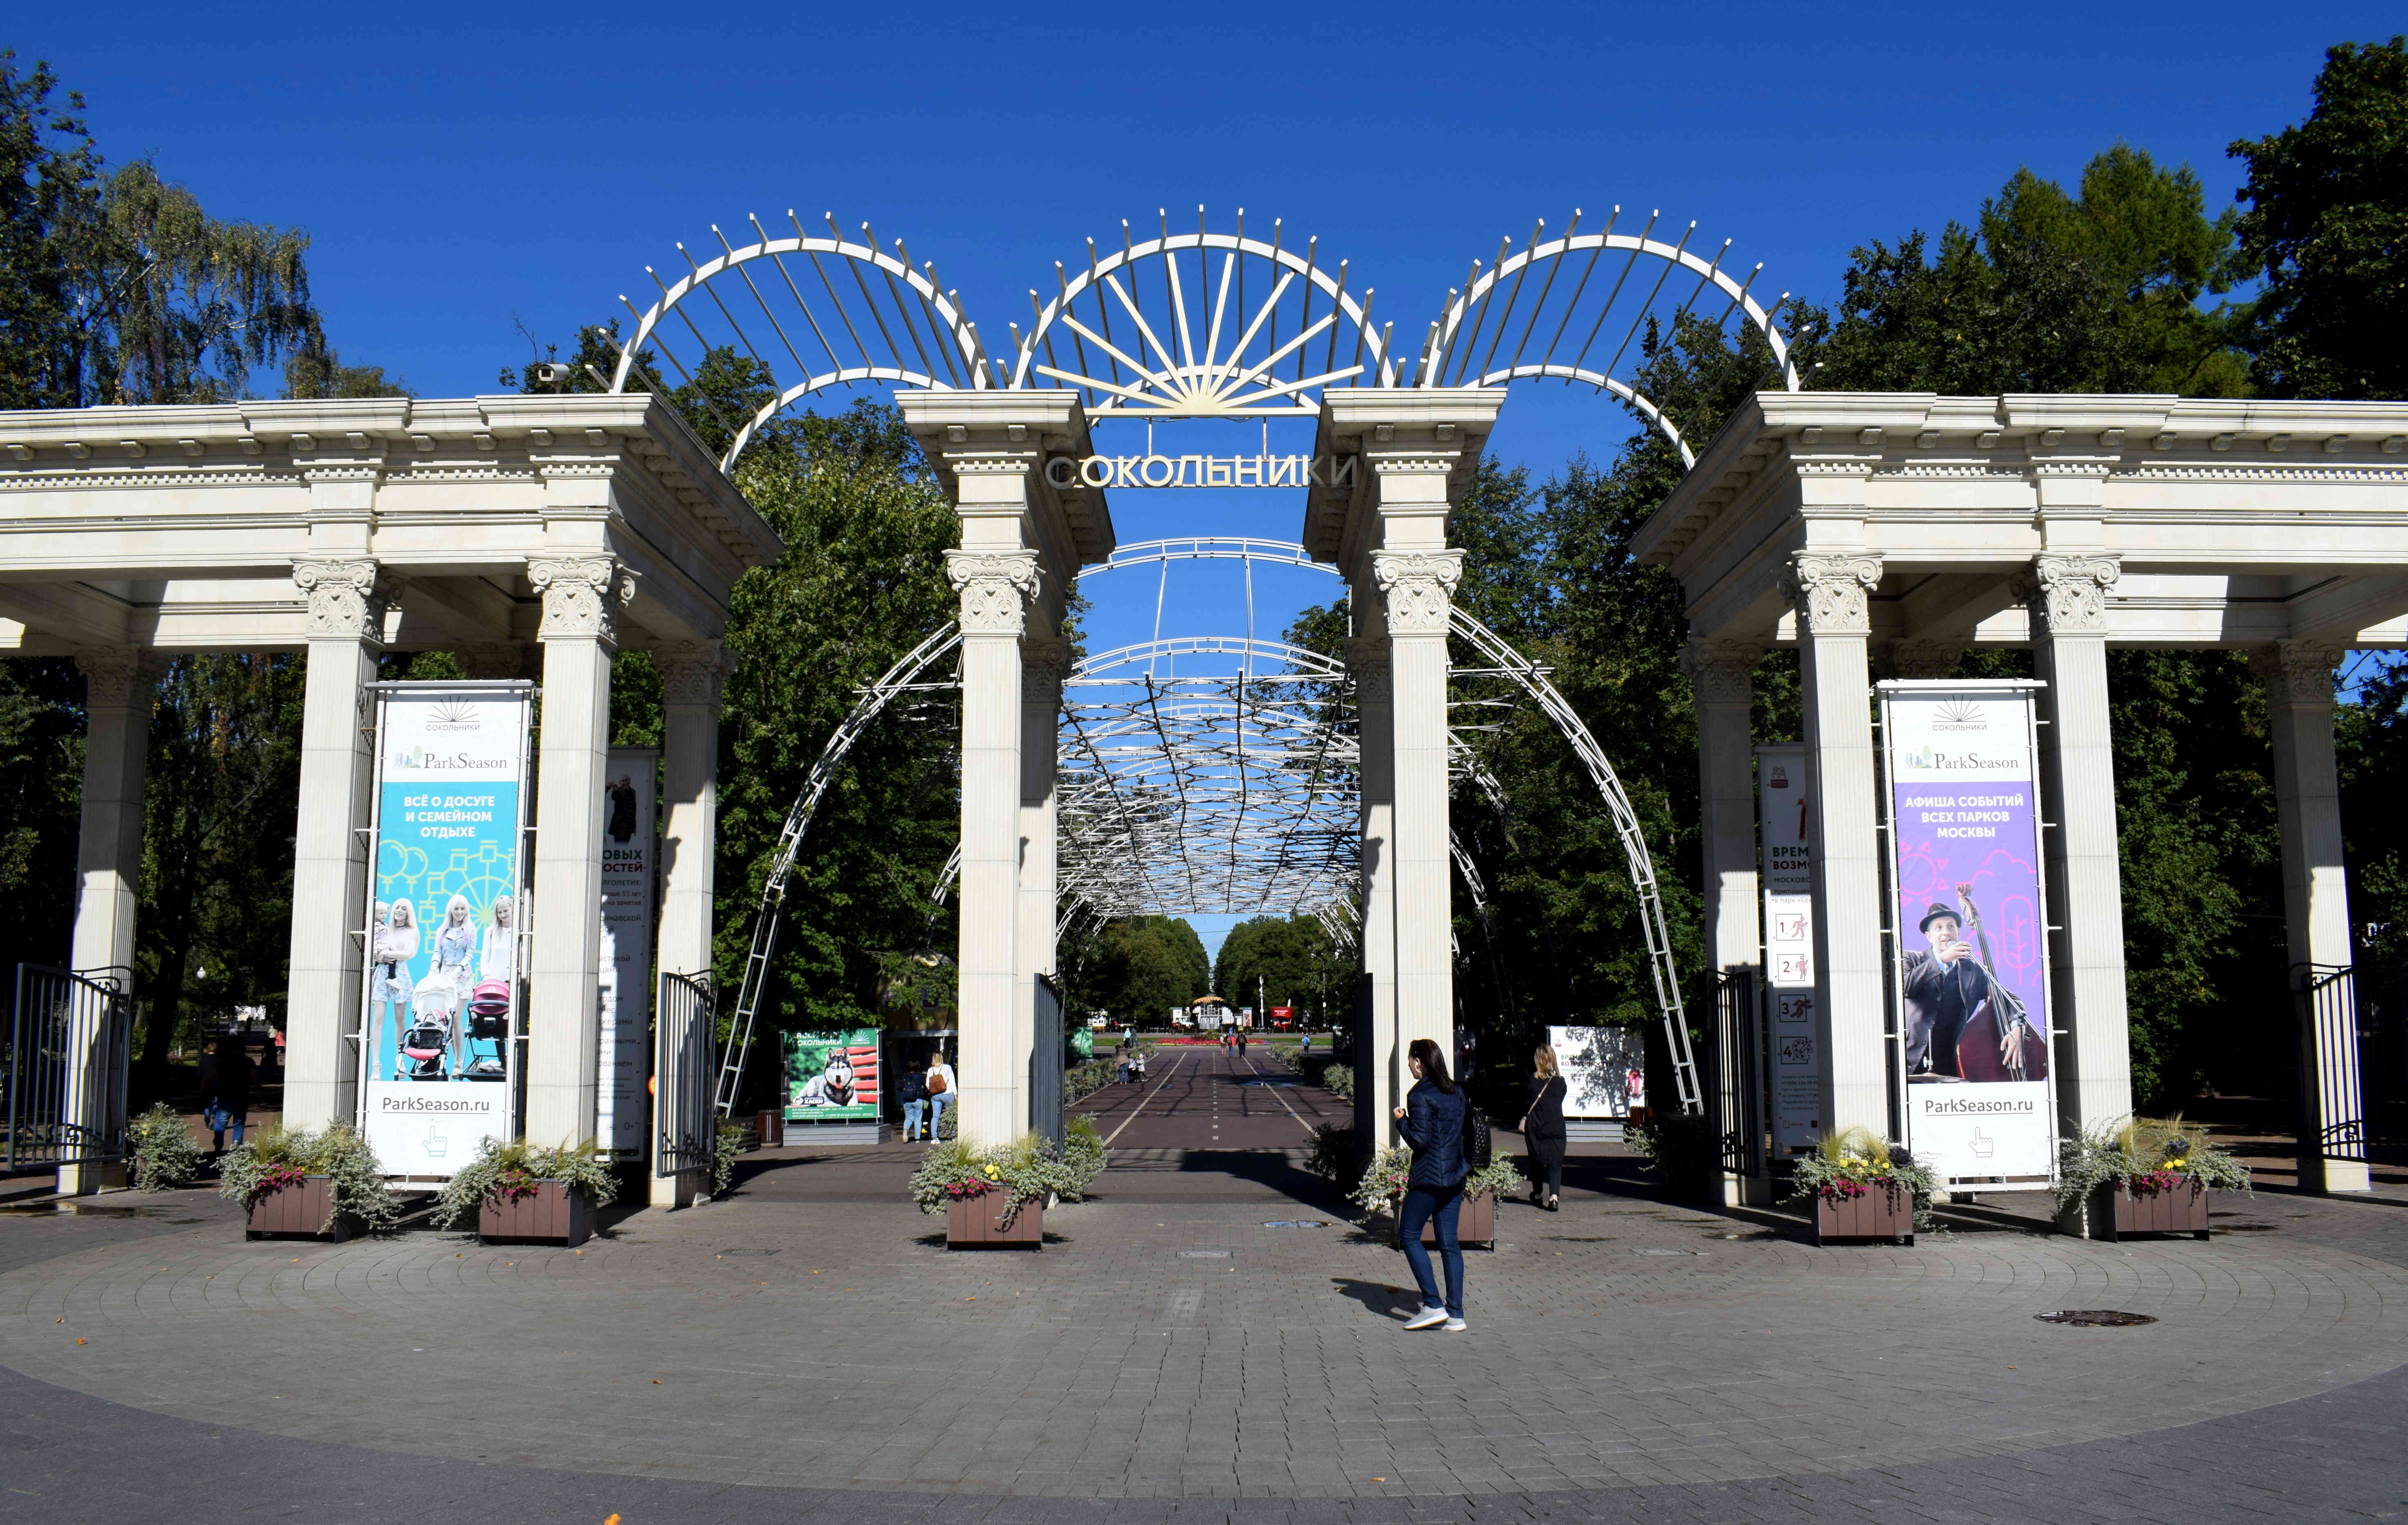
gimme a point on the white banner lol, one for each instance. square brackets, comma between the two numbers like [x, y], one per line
[1786, 862]
[629, 801]
[1604, 1070]
[1973, 969]
[441, 994]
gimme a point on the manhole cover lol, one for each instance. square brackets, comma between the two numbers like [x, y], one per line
[1667, 1252]
[1203, 1255]
[748, 1252]
[2095, 1317]
[1295, 1223]
[1581, 1239]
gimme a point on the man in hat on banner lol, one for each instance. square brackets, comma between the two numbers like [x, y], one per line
[1943, 988]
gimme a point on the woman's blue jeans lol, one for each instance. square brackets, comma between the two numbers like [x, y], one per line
[1424, 1204]
[914, 1122]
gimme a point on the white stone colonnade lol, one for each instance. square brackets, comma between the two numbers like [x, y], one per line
[532, 536]
[1887, 533]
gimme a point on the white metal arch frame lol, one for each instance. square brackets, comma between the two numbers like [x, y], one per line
[1138, 334]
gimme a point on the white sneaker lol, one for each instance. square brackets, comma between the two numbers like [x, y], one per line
[1457, 1326]
[1426, 1318]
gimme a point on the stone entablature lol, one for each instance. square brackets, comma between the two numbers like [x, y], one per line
[181, 527]
[2230, 522]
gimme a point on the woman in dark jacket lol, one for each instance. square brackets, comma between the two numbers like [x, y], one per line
[1431, 1120]
[1542, 1130]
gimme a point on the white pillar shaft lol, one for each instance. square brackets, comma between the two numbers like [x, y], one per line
[2093, 1047]
[993, 1070]
[1383, 1062]
[1723, 681]
[689, 835]
[2316, 900]
[1040, 713]
[1423, 866]
[565, 962]
[330, 886]
[108, 845]
[1847, 882]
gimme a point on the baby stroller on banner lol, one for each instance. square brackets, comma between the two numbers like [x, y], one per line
[427, 1040]
[489, 1022]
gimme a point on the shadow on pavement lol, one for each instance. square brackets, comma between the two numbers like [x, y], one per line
[1393, 1302]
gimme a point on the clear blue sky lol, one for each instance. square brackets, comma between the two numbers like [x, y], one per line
[461, 168]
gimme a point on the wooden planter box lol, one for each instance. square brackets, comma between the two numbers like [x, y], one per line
[552, 1216]
[975, 1222]
[1474, 1224]
[296, 1213]
[1883, 1212]
[2118, 1210]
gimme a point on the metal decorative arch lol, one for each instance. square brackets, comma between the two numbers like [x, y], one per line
[1166, 328]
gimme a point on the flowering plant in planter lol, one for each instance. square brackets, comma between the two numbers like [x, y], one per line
[1382, 1187]
[2146, 1156]
[1854, 1161]
[165, 1156]
[1030, 1169]
[513, 1172]
[276, 1160]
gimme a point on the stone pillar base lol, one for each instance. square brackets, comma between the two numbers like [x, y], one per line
[87, 1180]
[675, 1191]
[2325, 1174]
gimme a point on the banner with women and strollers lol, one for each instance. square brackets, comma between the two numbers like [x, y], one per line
[443, 928]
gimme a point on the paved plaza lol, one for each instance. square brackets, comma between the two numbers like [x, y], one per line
[1210, 1337]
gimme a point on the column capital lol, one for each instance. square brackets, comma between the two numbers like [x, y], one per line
[1724, 671]
[692, 672]
[996, 589]
[582, 595]
[1921, 658]
[2068, 594]
[1366, 660]
[1418, 587]
[117, 677]
[2298, 672]
[1830, 591]
[347, 596]
[1044, 662]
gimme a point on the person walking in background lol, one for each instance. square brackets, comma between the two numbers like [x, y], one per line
[227, 1105]
[1432, 1121]
[913, 1092]
[1241, 1045]
[1542, 1130]
[943, 1090]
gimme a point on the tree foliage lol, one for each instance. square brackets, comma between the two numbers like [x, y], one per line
[1286, 961]
[1135, 968]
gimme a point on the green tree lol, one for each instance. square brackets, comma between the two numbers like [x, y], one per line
[49, 193]
[1136, 969]
[2328, 228]
[1285, 961]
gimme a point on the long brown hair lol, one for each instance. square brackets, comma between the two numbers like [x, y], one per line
[1543, 1063]
[1433, 1063]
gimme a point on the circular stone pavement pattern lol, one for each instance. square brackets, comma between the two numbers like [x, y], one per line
[1120, 1362]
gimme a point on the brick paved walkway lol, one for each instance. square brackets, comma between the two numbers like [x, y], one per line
[809, 1348]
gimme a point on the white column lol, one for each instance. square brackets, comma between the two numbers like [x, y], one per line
[2085, 885]
[1834, 623]
[692, 676]
[1383, 1063]
[996, 585]
[2298, 676]
[582, 595]
[120, 686]
[330, 853]
[1721, 676]
[1042, 666]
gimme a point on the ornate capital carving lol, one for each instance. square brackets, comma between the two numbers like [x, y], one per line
[346, 598]
[692, 672]
[1724, 671]
[582, 595]
[2069, 594]
[1043, 665]
[118, 677]
[1829, 592]
[1921, 658]
[1366, 660]
[996, 587]
[1418, 587]
[2298, 672]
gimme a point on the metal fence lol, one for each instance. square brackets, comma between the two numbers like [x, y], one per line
[2362, 1012]
[681, 1071]
[69, 1041]
[1738, 1096]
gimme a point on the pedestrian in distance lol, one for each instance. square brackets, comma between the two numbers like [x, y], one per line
[1241, 1045]
[1542, 1130]
[913, 1091]
[227, 1107]
[1432, 1121]
[943, 1092]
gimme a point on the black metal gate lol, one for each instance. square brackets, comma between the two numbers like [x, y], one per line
[2361, 1011]
[681, 1070]
[69, 1038]
[1738, 1097]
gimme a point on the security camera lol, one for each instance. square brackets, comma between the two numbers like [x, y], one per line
[550, 375]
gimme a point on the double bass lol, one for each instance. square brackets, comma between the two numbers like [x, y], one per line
[1998, 1042]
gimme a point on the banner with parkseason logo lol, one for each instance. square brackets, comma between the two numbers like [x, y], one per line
[444, 928]
[1971, 976]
